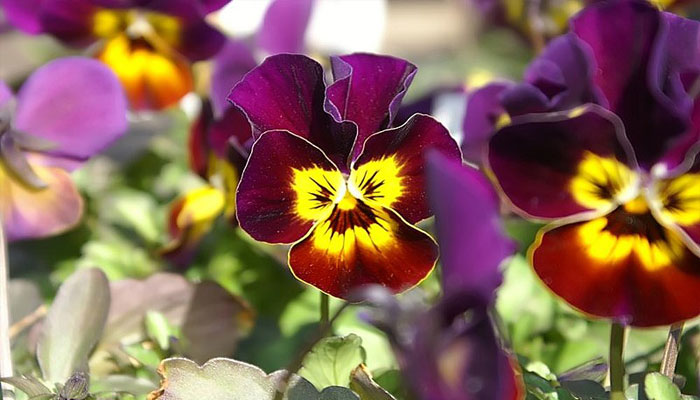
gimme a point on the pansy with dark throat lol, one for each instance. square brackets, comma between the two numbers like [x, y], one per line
[149, 44]
[329, 173]
[618, 180]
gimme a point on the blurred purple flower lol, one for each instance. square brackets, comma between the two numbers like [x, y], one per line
[64, 113]
[451, 351]
[149, 44]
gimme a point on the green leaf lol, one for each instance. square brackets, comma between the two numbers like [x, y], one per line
[159, 329]
[226, 379]
[73, 325]
[659, 387]
[29, 385]
[332, 360]
[362, 383]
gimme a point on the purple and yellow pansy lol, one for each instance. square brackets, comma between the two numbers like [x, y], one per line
[149, 44]
[618, 179]
[330, 174]
[65, 112]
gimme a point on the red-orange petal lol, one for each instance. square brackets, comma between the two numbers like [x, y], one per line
[623, 266]
[359, 244]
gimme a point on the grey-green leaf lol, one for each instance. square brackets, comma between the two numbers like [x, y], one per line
[29, 385]
[73, 325]
[659, 387]
[226, 379]
[332, 360]
[362, 383]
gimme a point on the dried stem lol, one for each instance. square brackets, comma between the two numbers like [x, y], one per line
[673, 345]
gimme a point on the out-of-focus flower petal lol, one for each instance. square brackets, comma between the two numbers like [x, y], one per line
[484, 110]
[69, 20]
[368, 90]
[75, 103]
[472, 241]
[200, 41]
[232, 132]
[151, 80]
[287, 185]
[34, 213]
[642, 278]
[286, 92]
[6, 95]
[190, 218]
[628, 40]
[23, 14]
[233, 61]
[360, 243]
[564, 73]
[198, 147]
[391, 168]
[284, 26]
[561, 164]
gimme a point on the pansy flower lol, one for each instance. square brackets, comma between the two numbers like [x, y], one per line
[450, 351]
[329, 173]
[221, 137]
[149, 44]
[65, 112]
[616, 178]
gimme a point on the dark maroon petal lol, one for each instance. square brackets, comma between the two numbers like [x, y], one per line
[198, 147]
[230, 65]
[286, 92]
[68, 20]
[537, 157]
[627, 39]
[200, 41]
[484, 108]
[368, 90]
[469, 230]
[284, 26]
[23, 14]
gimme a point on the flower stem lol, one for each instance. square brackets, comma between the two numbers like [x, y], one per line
[325, 312]
[617, 366]
[673, 345]
[5, 349]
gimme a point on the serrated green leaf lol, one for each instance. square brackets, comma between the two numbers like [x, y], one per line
[332, 360]
[73, 325]
[660, 387]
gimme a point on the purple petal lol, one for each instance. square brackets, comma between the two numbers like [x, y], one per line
[284, 26]
[626, 39]
[230, 65]
[23, 14]
[76, 103]
[472, 240]
[286, 92]
[368, 90]
[212, 5]
[484, 108]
